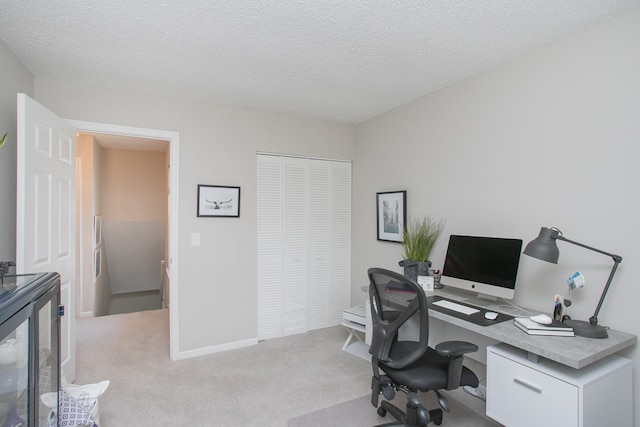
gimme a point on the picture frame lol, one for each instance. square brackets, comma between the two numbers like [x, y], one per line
[97, 263]
[218, 201]
[97, 230]
[391, 213]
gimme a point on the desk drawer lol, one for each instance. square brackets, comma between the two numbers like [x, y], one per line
[544, 393]
[519, 396]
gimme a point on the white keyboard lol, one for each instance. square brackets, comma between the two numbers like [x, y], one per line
[456, 307]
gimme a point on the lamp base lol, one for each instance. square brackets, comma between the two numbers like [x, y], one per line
[584, 328]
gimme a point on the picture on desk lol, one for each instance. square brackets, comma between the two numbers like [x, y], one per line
[557, 309]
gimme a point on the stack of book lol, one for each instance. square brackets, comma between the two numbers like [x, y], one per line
[398, 287]
[534, 328]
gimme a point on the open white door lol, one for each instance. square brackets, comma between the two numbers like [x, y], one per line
[46, 210]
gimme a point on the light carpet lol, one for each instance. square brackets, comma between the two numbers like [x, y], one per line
[258, 386]
[360, 413]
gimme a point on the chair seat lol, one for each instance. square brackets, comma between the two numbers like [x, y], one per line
[429, 372]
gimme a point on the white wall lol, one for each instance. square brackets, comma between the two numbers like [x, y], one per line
[134, 185]
[134, 216]
[94, 295]
[15, 78]
[550, 139]
[85, 198]
[217, 280]
[102, 286]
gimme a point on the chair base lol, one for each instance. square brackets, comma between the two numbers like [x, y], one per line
[410, 418]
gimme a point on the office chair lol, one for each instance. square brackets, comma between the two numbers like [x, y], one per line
[399, 311]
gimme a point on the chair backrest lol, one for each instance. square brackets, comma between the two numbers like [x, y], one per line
[395, 299]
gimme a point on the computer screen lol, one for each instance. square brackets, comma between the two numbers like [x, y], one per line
[486, 265]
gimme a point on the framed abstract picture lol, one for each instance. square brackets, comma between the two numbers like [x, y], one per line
[218, 201]
[391, 209]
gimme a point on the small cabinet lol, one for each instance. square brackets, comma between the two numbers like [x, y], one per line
[29, 349]
[523, 393]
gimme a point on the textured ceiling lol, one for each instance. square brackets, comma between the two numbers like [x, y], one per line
[341, 60]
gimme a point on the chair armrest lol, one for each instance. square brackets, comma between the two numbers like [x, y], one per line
[455, 348]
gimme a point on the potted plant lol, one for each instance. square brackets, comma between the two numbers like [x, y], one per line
[418, 239]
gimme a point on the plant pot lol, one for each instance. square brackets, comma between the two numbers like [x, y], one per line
[413, 269]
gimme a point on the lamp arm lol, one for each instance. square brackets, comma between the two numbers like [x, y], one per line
[617, 259]
[594, 319]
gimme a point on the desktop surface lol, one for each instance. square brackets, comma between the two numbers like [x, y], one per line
[575, 352]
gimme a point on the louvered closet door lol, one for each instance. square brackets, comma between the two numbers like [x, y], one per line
[340, 239]
[319, 264]
[295, 224]
[304, 244]
[269, 253]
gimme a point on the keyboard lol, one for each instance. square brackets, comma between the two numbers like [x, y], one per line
[450, 305]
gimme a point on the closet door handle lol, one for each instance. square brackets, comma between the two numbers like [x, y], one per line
[528, 385]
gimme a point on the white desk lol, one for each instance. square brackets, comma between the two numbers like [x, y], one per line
[526, 394]
[568, 359]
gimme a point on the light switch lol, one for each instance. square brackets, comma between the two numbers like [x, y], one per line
[195, 239]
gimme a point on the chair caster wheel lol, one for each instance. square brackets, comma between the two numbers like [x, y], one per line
[436, 416]
[381, 411]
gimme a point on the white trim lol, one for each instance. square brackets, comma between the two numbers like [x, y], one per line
[174, 141]
[265, 153]
[217, 348]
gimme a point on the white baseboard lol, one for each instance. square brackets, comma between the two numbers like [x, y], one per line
[216, 348]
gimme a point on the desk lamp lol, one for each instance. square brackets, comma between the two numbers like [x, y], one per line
[544, 247]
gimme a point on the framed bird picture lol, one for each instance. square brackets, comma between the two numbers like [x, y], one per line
[218, 201]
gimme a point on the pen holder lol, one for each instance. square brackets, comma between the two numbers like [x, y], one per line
[436, 280]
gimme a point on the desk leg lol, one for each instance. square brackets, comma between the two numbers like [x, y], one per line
[352, 334]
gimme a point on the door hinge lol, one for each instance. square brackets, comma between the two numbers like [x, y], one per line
[60, 310]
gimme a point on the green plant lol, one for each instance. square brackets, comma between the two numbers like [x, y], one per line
[420, 236]
[2, 141]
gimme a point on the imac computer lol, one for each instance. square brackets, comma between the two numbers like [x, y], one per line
[486, 265]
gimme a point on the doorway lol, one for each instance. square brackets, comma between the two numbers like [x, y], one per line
[145, 136]
[122, 218]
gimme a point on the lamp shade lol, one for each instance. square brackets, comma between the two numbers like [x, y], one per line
[544, 246]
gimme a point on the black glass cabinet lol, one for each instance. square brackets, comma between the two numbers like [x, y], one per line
[29, 348]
